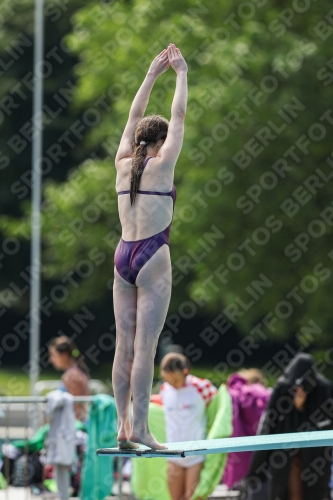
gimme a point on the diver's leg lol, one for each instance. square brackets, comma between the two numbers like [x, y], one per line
[153, 298]
[124, 303]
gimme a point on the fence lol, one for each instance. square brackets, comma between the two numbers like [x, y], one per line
[19, 418]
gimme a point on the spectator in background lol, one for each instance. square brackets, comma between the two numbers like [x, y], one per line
[301, 401]
[249, 399]
[64, 355]
[185, 398]
[253, 376]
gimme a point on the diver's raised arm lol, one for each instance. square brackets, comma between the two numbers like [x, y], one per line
[172, 146]
[178, 63]
[158, 66]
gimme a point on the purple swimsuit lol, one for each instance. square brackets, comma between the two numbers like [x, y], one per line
[131, 256]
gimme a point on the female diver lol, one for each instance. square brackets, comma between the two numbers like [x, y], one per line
[145, 162]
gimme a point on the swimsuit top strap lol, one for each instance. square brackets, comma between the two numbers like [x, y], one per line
[145, 163]
[144, 166]
[171, 193]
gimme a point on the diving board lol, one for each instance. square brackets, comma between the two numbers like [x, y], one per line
[227, 445]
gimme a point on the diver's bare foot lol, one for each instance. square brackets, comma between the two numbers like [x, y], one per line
[147, 439]
[124, 429]
[126, 444]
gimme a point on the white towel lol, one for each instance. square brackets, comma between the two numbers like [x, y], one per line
[60, 443]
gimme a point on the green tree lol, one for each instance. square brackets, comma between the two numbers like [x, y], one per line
[60, 156]
[252, 228]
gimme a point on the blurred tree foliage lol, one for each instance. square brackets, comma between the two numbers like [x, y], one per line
[258, 132]
[16, 67]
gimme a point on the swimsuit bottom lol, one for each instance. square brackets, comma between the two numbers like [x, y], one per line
[187, 462]
[131, 256]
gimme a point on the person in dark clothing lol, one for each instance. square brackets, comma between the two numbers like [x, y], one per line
[301, 401]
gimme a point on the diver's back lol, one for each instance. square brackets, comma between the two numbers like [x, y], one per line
[152, 210]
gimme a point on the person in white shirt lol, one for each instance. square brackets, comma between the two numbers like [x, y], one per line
[185, 399]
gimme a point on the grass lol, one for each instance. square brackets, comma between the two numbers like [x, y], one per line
[13, 382]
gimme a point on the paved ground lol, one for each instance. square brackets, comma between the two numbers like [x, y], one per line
[24, 494]
[12, 493]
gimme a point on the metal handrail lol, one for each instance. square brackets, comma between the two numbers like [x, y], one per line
[40, 399]
[95, 386]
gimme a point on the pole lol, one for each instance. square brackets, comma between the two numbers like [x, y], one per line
[37, 145]
[120, 477]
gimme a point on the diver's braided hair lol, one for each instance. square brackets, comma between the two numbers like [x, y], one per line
[150, 129]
